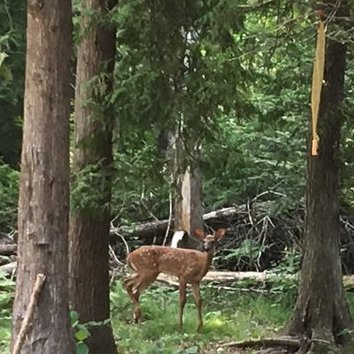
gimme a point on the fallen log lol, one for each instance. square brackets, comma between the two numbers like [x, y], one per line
[151, 228]
[142, 229]
[214, 276]
[8, 269]
[8, 250]
[257, 277]
[221, 277]
[283, 341]
[4, 260]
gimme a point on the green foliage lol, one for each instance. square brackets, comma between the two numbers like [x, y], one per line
[254, 157]
[227, 316]
[6, 297]
[235, 75]
[81, 333]
[284, 277]
[239, 82]
[172, 70]
[12, 60]
[8, 198]
[140, 181]
[89, 190]
[247, 254]
[347, 179]
[290, 264]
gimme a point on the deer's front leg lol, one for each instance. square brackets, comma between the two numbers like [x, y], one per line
[198, 302]
[182, 302]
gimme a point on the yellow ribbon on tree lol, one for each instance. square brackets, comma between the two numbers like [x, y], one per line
[317, 80]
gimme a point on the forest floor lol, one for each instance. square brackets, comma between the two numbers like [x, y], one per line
[229, 315]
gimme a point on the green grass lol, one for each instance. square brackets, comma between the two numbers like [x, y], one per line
[227, 316]
[4, 333]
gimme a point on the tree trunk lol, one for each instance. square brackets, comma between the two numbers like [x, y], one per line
[92, 162]
[321, 312]
[188, 210]
[188, 205]
[44, 184]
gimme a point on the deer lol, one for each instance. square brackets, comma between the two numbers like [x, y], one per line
[189, 266]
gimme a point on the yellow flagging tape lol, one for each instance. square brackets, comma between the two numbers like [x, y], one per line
[317, 80]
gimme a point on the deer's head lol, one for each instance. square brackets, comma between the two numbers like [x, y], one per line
[209, 240]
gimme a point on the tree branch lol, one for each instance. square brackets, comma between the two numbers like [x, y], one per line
[38, 285]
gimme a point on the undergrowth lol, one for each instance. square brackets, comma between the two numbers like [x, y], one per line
[229, 315]
[6, 296]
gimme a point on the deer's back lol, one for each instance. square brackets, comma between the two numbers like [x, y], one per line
[190, 264]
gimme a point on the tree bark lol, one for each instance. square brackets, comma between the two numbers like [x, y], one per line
[44, 183]
[188, 210]
[92, 162]
[321, 312]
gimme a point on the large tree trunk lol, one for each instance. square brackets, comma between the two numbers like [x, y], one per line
[321, 312]
[44, 185]
[90, 219]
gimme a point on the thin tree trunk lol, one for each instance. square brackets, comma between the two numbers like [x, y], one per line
[321, 312]
[44, 184]
[90, 219]
[188, 210]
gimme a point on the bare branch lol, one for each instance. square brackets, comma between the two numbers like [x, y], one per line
[26, 323]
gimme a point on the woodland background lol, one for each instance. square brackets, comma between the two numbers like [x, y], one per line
[248, 76]
[238, 82]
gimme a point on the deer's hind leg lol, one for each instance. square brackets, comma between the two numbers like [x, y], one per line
[135, 285]
[129, 285]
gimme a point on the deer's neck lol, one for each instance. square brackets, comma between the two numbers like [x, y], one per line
[209, 259]
[210, 255]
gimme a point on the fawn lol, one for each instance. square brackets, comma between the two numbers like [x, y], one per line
[190, 266]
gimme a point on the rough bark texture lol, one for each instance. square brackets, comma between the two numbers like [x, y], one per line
[44, 184]
[321, 311]
[188, 210]
[89, 224]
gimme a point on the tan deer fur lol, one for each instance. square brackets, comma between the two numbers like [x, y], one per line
[190, 266]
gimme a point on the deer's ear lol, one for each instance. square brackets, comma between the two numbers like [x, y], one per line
[219, 234]
[199, 233]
